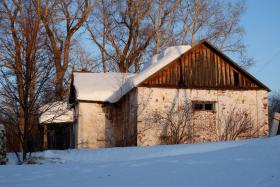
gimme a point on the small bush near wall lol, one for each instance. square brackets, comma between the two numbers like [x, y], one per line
[238, 124]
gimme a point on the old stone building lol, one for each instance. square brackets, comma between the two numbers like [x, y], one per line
[117, 109]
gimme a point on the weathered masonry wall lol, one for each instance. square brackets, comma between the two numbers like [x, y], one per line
[150, 101]
[252, 102]
[131, 121]
[107, 125]
[207, 125]
[93, 129]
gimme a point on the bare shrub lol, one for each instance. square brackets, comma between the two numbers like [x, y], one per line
[238, 124]
[175, 122]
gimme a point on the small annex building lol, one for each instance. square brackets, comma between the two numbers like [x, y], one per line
[58, 126]
[115, 109]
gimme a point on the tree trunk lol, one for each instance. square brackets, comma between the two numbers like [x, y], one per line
[103, 55]
[59, 76]
[193, 39]
[59, 91]
[122, 68]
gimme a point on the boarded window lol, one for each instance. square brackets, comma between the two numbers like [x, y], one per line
[209, 106]
[198, 106]
[203, 105]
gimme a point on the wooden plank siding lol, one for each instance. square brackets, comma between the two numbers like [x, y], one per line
[123, 116]
[203, 67]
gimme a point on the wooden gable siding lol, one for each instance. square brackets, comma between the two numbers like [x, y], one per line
[202, 67]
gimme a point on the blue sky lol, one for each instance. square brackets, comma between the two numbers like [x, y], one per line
[261, 22]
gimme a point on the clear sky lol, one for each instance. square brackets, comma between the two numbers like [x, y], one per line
[262, 25]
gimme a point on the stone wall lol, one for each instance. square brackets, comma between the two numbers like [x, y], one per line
[106, 125]
[151, 100]
[3, 158]
[206, 125]
[109, 125]
[93, 128]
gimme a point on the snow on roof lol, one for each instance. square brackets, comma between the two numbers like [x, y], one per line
[57, 112]
[169, 55]
[110, 87]
[99, 86]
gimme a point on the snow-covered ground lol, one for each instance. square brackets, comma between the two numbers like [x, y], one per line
[243, 163]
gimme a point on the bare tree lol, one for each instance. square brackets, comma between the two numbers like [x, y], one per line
[127, 32]
[25, 71]
[274, 105]
[123, 30]
[61, 20]
[83, 60]
[216, 21]
[3, 154]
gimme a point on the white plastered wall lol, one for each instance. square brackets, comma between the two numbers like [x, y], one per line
[151, 99]
[93, 128]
